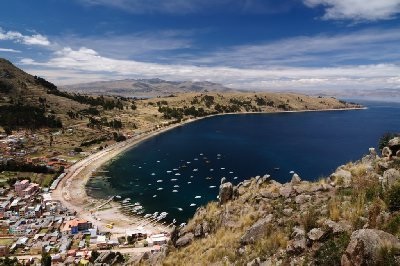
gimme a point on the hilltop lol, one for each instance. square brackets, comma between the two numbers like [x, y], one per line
[351, 217]
[145, 87]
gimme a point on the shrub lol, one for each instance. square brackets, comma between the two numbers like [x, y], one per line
[383, 141]
[393, 198]
[393, 225]
[331, 250]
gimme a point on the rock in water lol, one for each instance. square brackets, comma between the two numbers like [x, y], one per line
[225, 192]
[365, 246]
[295, 179]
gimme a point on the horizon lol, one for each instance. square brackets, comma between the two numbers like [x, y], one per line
[308, 45]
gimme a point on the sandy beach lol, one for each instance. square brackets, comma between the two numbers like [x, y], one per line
[71, 190]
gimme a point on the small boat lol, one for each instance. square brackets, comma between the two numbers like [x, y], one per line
[189, 182]
[235, 177]
[153, 173]
[195, 170]
[158, 161]
[154, 196]
[173, 179]
[231, 172]
[177, 174]
[174, 190]
[180, 209]
[160, 188]
[175, 169]
[211, 186]
[147, 215]
[149, 184]
[118, 196]
[222, 168]
[291, 172]
[191, 205]
[159, 181]
[196, 159]
[139, 167]
[197, 197]
[201, 154]
[188, 162]
[136, 204]
[168, 172]
[277, 168]
[211, 170]
[176, 186]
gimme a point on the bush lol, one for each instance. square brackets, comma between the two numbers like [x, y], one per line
[393, 198]
[331, 250]
[383, 141]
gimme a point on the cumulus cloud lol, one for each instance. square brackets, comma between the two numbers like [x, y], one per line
[358, 10]
[35, 39]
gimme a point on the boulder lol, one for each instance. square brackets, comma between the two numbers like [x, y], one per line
[269, 194]
[394, 144]
[223, 180]
[295, 179]
[198, 231]
[386, 152]
[365, 246]
[206, 227]
[315, 234]
[398, 153]
[300, 199]
[390, 177]
[336, 228]
[225, 192]
[296, 246]
[256, 231]
[343, 175]
[286, 191]
[184, 240]
[287, 211]
[372, 151]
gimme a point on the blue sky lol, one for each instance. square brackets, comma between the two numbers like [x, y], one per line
[247, 44]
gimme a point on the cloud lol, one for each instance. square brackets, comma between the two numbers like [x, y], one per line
[8, 50]
[195, 6]
[35, 39]
[358, 10]
[364, 47]
[70, 66]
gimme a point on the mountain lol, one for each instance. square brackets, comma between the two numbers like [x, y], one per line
[145, 87]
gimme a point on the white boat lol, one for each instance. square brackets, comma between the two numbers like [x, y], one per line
[231, 172]
[174, 190]
[118, 196]
[201, 154]
[197, 197]
[291, 172]
[158, 161]
[154, 196]
[168, 172]
[160, 188]
[195, 170]
[147, 215]
[159, 181]
[222, 168]
[177, 174]
[153, 173]
[211, 186]
[189, 182]
[196, 159]
[191, 205]
[235, 177]
[175, 169]
[211, 170]
[173, 179]
[188, 162]
[180, 209]
[176, 186]
[136, 204]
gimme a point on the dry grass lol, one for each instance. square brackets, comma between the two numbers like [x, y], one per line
[334, 209]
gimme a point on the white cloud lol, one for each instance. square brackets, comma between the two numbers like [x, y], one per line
[358, 10]
[8, 50]
[70, 66]
[35, 39]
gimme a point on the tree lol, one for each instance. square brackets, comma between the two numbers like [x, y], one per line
[46, 259]
[95, 255]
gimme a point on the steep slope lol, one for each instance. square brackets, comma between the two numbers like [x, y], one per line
[351, 217]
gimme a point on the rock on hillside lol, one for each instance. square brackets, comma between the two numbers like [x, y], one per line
[349, 218]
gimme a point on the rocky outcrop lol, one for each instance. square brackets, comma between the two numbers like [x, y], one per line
[386, 152]
[184, 240]
[295, 179]
[366, 245]
[315, 234]
[225, 192]
[256, 231]
[341, 176]
[390, 177]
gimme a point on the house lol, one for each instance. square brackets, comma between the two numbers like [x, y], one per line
[159, 239]
[4, 250]
[101, 242]
[20, 186]
[137, 234]
[76, 225]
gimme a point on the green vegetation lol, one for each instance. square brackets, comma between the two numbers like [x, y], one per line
[383, 141]
[332, 250]
[23, 116]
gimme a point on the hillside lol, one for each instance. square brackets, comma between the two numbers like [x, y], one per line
[351, 217]
[145, 87]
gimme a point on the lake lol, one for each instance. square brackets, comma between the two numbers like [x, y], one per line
[180, 170]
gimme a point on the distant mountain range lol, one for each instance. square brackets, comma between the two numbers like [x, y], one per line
[144, 87]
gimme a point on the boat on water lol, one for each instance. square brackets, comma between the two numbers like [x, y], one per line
[174, 190]
[195, 170]
[212, 186]
[197, 197]
[160, 188]
[173, 179]
[159, 181]
[192, 204]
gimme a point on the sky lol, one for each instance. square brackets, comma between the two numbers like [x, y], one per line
[245, 44]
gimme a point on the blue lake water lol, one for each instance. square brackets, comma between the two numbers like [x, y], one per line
[313, 144]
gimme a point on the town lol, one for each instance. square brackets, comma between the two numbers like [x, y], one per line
[34, 226]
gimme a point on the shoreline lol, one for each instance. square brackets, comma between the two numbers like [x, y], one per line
[71, 189]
